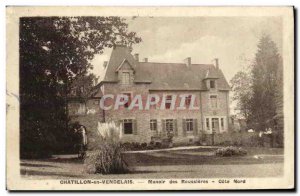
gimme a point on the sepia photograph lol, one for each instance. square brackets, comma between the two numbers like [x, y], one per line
[150, 98]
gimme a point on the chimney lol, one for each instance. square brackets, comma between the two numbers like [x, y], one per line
[188, 61]
[217, 63]
[105, 64]
[146, 60]
[136, 57]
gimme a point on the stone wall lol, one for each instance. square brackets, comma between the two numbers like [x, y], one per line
[88, 120]
[143, 117]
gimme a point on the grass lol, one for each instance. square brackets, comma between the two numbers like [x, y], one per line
[167, 164]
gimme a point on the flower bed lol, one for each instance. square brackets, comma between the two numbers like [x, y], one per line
[231, 151]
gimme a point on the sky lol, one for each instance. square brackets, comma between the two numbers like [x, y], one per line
[233, 40]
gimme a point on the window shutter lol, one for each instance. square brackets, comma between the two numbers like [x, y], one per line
[183, 127]
[175, 127]
[163, 124]
[134, 124]
[195, 128]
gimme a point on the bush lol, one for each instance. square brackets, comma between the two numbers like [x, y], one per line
[136, 146]
[126, 146]
[150, 147]
[107, 158]
[144, 146]
[158, 145]
[230, 151]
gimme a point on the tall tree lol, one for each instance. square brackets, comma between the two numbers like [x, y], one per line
[264, 76]
[83, 85]
[53, 52]
[279, 117]
[241, 85]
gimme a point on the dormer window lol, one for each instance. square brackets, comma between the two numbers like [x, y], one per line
[125, 78]
[212, 84]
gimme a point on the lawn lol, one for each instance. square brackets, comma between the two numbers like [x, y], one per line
[188, 163]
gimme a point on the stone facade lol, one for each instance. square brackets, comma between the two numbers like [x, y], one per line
[88, 114]
[143, 117]
[126, 75]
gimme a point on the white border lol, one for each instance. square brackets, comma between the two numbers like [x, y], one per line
[102, 3]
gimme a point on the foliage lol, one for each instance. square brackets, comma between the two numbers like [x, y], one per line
[136, 146]
[106, 160]
[83, 85]
[279, 118]
[107, 157]
[231, 151]
[246, 139]
[54, 51]
[74, 138]
[265, 73]
[110, 131]
[260, 92]
[241, 85]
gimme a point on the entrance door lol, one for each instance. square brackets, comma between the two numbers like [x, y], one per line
[215, 125]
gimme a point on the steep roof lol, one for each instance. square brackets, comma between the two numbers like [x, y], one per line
[166, 76]
[119, 55]
[177, 76]
[212, 73]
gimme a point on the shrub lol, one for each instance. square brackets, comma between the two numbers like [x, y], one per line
[165, 143]
[230, 151]
[107, 158]
[150, 147]
[144, 146]
[136, 146]
[157, 145]
[126, 146]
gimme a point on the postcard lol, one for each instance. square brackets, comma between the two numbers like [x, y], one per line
[150, 98]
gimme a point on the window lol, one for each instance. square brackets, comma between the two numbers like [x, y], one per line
[188, 100]
[189, 125]
[128, 126]
[169, 125]
[153, 100]
[212, 84]
[125, 78]
[128, 95]
[153, 125]
[213, 101]
[222, 123]
[207, 124]
[168, 101]
[215, 124]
